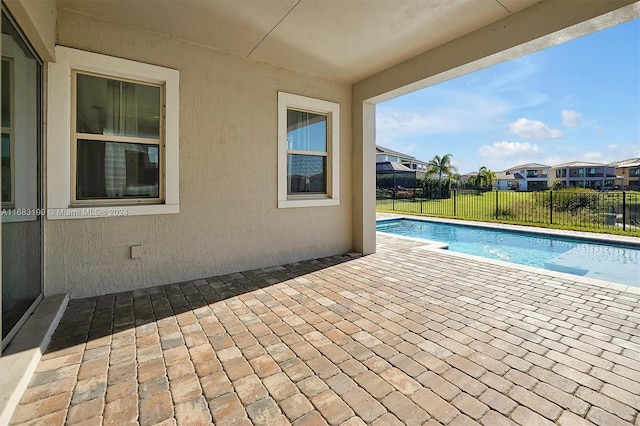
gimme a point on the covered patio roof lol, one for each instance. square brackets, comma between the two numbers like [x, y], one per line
[340, 40]
[361, 41]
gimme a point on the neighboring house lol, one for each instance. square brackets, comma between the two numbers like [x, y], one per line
[505, 180]
[393, 175]
[386, 154]
[467, 179]
[530, 176]
[581, 174]
[237, 137]
[627, 174]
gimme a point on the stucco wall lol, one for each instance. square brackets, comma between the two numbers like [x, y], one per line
[229, 220]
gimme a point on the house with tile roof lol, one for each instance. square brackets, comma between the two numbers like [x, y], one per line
[526, 177]
[627, 174]
[505, 180]
[583, 174]
[386, 154]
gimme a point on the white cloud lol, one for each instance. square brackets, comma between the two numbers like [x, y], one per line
[618, 152]
[570, 118]
[503, 155]
[592, 156]
[532, 129]
[599, 129]
[502, 150]
[473, 114]
[552, 160]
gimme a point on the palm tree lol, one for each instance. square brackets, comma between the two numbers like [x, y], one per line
[441, 166]
[485, 177]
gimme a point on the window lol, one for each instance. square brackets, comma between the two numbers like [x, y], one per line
[634, 172]
[308, 151]
[576, 172]
[20, 129]
[120, 147]
[117, 140]
[595, 172]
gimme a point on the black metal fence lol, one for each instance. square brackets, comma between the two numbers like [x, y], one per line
[584, 210]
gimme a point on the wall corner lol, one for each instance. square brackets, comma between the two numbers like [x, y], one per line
[38, 20]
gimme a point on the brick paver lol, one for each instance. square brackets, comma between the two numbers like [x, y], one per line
[405, 336]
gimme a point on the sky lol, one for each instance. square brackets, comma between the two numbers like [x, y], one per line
[577, 101]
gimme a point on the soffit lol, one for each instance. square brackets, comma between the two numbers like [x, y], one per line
[336, 39]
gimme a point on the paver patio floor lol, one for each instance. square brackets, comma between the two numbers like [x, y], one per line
[404, 336]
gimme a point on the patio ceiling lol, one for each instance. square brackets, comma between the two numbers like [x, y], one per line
[336, 39]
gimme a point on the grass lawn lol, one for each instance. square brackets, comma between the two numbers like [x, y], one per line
[583, 211]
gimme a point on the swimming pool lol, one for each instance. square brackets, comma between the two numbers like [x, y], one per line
[617, 263]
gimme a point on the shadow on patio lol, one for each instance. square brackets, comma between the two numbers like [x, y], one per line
[404, 336]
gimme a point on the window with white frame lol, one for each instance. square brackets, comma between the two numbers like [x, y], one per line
[308, 151]
[119, 147]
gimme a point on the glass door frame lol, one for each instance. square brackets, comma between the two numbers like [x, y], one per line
[39, 179]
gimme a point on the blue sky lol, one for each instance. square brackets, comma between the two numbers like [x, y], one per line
[578, 101]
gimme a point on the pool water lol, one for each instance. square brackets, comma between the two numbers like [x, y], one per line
[617, 263]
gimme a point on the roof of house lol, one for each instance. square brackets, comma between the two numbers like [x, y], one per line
[631, 162]
[505, 176]
[465, 177]
[383, 150]
[579, 164]
[528, 166]
[389, 166]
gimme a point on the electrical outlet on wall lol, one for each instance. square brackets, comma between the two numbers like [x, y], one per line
[136, 251]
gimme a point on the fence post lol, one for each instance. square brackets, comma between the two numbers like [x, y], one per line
[455, 193]
[624, 211]
[550, 207]
[496, 203]
[395, 188]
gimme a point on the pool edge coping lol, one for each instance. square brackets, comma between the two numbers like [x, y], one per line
[437, 245]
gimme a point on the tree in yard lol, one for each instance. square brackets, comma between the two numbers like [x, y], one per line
[456, 178]
[441, 166]
[485, 177]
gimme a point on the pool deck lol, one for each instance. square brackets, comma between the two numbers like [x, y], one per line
[405, 336]
[590, 236]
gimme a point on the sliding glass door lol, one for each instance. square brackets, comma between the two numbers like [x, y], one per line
[21, 230]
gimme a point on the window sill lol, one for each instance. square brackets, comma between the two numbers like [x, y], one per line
[318, 202]
[111, 211]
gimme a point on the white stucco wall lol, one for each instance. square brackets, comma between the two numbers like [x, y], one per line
[228, 220]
